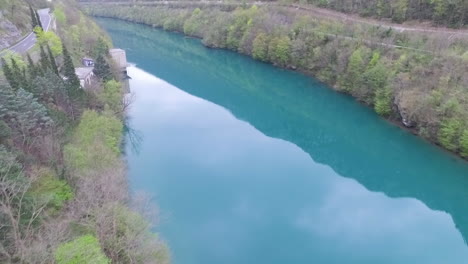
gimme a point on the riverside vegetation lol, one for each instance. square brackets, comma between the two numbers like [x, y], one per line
[63, 189]
[417, 78]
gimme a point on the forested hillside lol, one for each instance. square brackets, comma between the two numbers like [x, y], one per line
[63, 188]
[440, 12]
[414, 78]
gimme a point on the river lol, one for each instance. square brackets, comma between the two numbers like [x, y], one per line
[249, 163]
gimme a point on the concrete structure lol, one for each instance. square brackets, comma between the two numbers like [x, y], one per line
[120, 61]
[119, 57]
[86, 75]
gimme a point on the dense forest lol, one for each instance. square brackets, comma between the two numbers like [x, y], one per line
[440, 12]
[63, 188]
[415, 78]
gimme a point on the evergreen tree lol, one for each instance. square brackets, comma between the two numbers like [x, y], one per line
[53, 64]
[26, 83]
[38, 19]
[19, 74]
[44, 60]
[33, 17]
[32, 69]
[100, 48]
[72, 81]
[9, 75]
[102, 69]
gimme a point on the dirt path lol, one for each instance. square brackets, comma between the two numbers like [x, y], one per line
[373, 22]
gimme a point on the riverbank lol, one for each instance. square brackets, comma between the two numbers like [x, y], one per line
[64, 196]
[414, 79]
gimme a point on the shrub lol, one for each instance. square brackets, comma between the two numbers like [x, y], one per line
[464, 143]
[449, 133]
[48, 189]
[84, 249]
[260, 47]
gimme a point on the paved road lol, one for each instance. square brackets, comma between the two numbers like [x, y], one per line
[29, 41]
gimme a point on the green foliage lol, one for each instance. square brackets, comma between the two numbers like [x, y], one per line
[96, 142]
[44, 61]
[60, 15]
[10, 55]
[383, 101]
[84, 249]
[102, 69]
[23, 113]
[53, 64]
[400, 9]
[101, 48]
[49, 38]
[449, 133]
[260, 47]
[10, 75]
[356, 66]
[34, 22]
[5, 131]
[48, 189]
[131, 227]
[238, 27]
[111, 96]
[464, 143]
[279, 50]
[375, 78]
[72, 81]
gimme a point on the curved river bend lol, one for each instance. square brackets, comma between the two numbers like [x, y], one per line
[253, 164]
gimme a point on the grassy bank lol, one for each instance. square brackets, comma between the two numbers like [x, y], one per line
[414, 78]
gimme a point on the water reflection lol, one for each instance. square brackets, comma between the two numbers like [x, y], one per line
[334, 130]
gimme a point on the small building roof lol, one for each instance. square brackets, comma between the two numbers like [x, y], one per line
[83, 72]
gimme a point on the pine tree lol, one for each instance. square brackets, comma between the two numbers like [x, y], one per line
[44, 60]
[38, 19]
[33, 17]
[20, 75]
[32, 69]
[73, 83]
[9, 75]
[53, 64]
[17, 74]
[102, 69]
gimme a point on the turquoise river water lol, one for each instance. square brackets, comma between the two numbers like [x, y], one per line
[249, 163]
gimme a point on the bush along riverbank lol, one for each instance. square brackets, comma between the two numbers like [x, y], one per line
[416, 79]
[64, 195]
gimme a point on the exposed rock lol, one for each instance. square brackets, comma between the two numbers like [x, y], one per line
[403, 104]
[9, 33]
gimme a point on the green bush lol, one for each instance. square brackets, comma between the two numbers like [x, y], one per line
[464, 143]
[48, 189]
[449, 133]
[96, 142]
[260, 47]
[383, 101]
[111, 96]
[82, 250]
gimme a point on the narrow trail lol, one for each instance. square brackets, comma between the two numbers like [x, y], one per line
[327, 13]
[322, 12]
